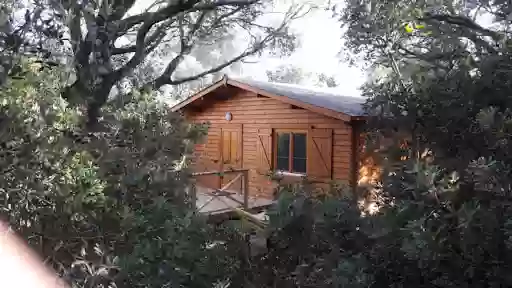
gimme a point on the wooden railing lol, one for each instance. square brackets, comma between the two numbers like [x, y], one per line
[241, 174]
[244, 212]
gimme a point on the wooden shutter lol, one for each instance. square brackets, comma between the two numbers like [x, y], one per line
[226, 146]
[264, 150]
[320, 153]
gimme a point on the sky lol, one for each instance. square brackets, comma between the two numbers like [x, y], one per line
[318, 53]
[320, 43]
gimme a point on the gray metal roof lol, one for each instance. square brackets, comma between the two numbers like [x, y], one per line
[349, 105]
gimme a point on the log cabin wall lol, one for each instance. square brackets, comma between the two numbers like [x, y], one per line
[330, 143]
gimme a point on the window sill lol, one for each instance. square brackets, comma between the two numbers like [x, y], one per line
[293, 174]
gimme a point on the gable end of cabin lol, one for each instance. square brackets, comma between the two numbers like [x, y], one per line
[252, 131]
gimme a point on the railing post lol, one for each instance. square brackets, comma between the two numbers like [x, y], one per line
[193, 194]
[247, 236]
[246, 188]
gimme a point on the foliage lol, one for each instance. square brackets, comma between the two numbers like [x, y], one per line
[313, 242]
[15, 41]
[104, 43]
[108, 207]
[437, 229]
[445, 99]
[441, 120]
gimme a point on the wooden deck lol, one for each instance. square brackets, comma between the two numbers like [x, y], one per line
[224, 203]
[208, 204]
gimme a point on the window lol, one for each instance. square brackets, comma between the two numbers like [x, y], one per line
[291, 152]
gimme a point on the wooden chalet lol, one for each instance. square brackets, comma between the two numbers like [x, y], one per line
[260, 127]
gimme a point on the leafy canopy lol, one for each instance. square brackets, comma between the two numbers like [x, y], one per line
[103, 43]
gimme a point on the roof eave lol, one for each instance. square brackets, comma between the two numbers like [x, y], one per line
[200, 94]
[288, 100]
[226, 81]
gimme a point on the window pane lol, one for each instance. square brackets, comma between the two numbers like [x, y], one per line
[283, 145]
[299, 145]
[299, 165]
[299, 153]
[283, 164]
[283, 151]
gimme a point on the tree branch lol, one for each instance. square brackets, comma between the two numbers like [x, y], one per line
[140, 49]
[119, 9]
[85, 47]
[166, 77]
[189, 6]
[74, 27]
[461, 21]
[154, 40]
[149, 19]
[124, 50]
[185, 44]
[164, 80]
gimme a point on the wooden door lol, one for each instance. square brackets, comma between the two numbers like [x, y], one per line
[231, 148]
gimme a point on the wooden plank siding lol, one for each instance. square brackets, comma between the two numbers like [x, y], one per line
[258, 115]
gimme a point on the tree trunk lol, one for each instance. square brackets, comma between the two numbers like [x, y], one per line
[92, 99]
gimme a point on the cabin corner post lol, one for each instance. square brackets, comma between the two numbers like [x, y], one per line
[246, 188]
[355, 130]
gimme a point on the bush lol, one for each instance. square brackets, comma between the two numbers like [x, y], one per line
[107, 207]
[309, 238]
